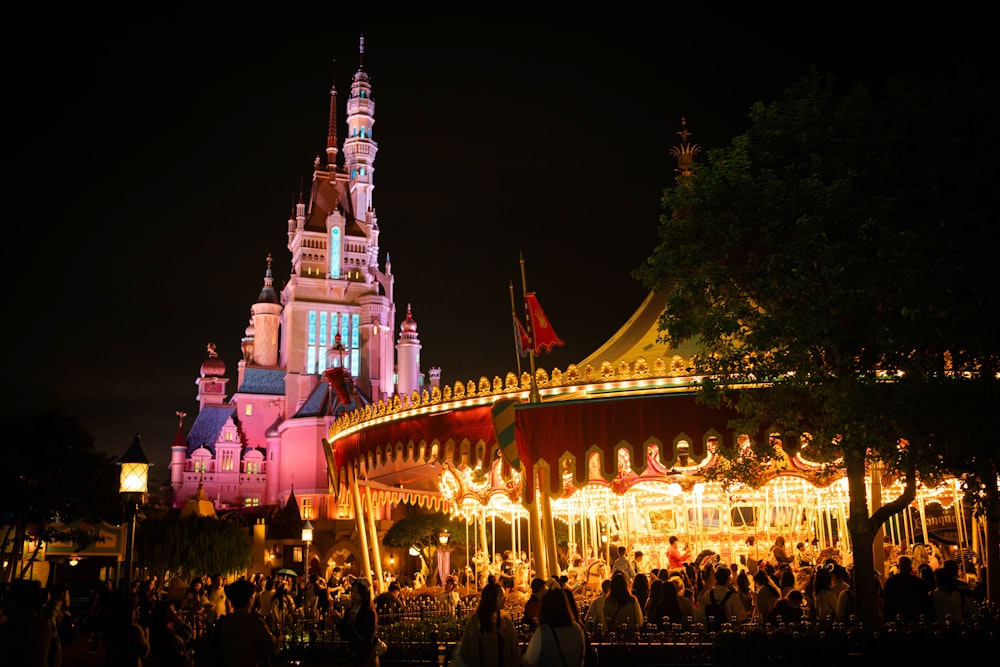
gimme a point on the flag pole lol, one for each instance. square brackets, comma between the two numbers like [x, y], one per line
[540, 510]
[535, 396]
[517, 340]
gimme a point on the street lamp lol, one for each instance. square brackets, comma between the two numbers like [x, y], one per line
[133, 483]
[307, 537]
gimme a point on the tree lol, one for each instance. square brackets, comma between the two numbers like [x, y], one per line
[192, 546]
[54, 485]
[838, 256]
[420, 532]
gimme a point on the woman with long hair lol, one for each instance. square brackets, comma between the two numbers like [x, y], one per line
[559, 639]
[824, 602]
[490, 638]
[621, 610]
[359, 625]
[640, 589]
[655, 594]
[668, 609]
[766, 596]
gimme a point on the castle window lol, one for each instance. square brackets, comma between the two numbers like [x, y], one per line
[335, 252]
[249, 410]
[251, 502]
[307, 508]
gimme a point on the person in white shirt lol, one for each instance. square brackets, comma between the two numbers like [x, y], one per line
[734, 608]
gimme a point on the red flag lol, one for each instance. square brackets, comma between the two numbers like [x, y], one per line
[521, 338]
[545, 337]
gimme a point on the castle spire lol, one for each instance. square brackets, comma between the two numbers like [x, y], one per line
[331, 132]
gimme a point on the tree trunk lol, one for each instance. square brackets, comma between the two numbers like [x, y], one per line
[862, 534]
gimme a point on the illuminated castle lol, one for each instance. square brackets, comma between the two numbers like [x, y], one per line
[321, 345]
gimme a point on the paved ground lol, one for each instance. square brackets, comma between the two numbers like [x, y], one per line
[78, 655]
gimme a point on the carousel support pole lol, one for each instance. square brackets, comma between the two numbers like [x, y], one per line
[359, 521]
[379, 583]
[535, 533]
[551, 552]
[468, 578]
[923, 517]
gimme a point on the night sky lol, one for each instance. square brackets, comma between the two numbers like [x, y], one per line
[158, 160]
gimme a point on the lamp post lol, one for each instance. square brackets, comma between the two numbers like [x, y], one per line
[133, 482]
[307, 537]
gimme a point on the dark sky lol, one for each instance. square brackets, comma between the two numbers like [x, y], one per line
[158, 160]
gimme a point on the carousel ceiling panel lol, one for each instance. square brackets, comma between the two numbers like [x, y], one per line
[547, 431]
[474, 424]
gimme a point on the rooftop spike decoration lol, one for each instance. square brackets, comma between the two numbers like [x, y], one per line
[331, 132]
[685, 151]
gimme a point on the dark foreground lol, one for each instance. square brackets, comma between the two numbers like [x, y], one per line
[815, 644]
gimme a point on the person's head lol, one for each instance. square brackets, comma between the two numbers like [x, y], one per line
[537, 585]
[491, 600]
[800, 546]
[619, 588]
[673, 540]
[722, 575]
[605, 587]
[394, 587]
[555, 610]
[751, 540]
[779, 541]
[640, 585]
[240, 593]
[638, 556]
[361, 592]
[794, 597]
[822, 579]
[904, 564]
[622, 551]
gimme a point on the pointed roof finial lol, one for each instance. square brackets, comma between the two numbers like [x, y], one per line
[331, 130]
[180, 418]
[361, 53]
[685, 151]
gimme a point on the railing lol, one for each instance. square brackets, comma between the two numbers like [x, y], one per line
[422, 634]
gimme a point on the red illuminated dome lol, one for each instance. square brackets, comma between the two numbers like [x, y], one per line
[213, 366]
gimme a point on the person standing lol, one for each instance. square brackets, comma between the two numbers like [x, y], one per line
[624, 565]
[533, 606]
[217, 597]
[622, 612]
[490, 638]
[388, 604]
[906, 595]
[57, 612]
[558, 639]
[26, 635]
[359, 625]
[675, 557]
[241, 637]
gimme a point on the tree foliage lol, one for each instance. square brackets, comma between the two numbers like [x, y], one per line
[192, 546]
[421, 532]
[54, 483]
[840, 253]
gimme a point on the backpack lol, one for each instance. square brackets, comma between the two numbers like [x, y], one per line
[715, 611]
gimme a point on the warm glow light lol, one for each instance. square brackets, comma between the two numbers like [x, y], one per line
[414, 552]
[307, 531]
[444, 537]
[135, 469]
[74, 561]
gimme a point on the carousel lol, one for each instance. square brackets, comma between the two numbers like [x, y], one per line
[614, 451]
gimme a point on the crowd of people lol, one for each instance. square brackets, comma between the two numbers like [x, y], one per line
[158, 625]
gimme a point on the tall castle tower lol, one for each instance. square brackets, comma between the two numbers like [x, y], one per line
[333, 318]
